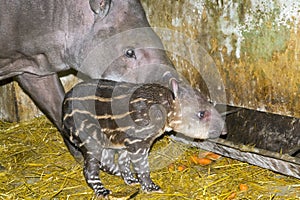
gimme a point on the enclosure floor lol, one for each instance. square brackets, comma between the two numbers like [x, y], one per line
[35, 164]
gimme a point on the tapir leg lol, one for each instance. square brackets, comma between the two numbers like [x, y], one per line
[124, 165]
[139, 160]
[107, 162]
[47, 93]
[91, 173]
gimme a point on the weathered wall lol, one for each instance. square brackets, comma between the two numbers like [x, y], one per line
[255, 45]
[15, 105]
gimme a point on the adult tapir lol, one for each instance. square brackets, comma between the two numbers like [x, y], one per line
[40, 38]
[107, 39]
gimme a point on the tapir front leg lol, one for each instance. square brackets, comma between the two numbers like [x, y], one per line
[107, 162]
[124, 165]
[139, 160]
[47, 93]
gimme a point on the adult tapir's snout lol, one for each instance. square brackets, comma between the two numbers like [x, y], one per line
[136, 55]
[148, 66]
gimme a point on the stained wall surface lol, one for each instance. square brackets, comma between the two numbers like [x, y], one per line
[241, 52]
[255, 45]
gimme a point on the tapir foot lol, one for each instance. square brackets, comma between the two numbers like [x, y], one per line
[148, 185]
[130, 180]
[101, 192]
[151, 188]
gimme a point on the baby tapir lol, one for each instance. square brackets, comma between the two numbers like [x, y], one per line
[114, 125]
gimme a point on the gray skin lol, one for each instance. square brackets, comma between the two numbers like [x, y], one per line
[111, 121]
[40, 38]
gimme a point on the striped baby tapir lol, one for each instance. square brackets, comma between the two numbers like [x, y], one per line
[114, 124]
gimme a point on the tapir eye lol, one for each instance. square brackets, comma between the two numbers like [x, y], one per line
[201, 114]
[130, 53]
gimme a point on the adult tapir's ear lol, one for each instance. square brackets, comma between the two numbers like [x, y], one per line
[100, 7]
[174, 86]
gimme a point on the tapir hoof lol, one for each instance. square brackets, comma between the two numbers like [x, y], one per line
[151, 188]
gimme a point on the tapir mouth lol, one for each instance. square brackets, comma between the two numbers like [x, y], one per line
[216, 133]
[224, 132]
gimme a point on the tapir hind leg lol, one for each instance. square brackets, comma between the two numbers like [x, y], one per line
[47, 93]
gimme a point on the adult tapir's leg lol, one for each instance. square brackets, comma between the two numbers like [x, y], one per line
[48, 93]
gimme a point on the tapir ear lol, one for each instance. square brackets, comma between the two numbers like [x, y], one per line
[100, 7]
[174, 86]
[172, 82]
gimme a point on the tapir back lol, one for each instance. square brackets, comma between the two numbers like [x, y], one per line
[110, 112]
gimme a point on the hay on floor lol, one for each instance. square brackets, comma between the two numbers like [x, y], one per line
[35, 164]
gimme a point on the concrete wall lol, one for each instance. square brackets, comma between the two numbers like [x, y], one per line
[249, 47]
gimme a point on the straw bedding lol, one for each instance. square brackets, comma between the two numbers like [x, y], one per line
[35, 164]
